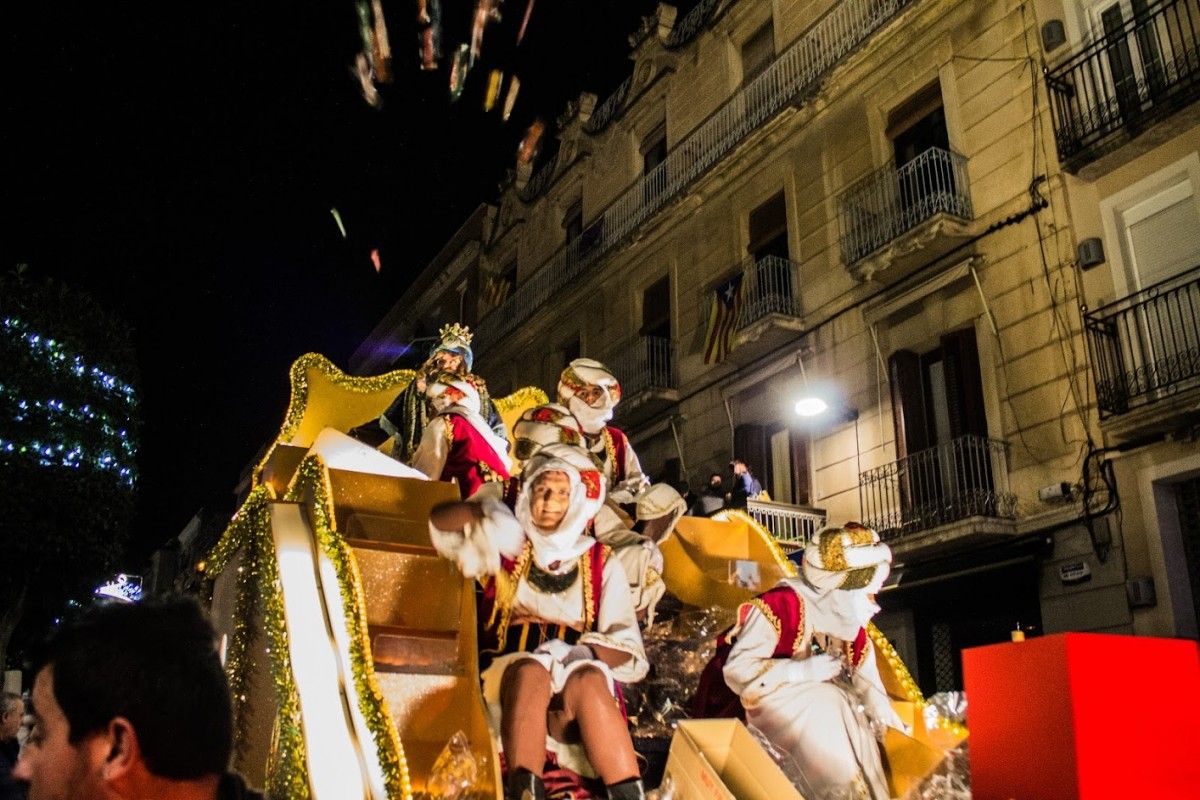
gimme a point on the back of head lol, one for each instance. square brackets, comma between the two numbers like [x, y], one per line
[156, 665]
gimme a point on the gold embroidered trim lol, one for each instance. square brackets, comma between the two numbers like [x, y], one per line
[799, 644]
[490, 475]
[506, 591]
[610, 455]
[585, 574]
[448, 432]
[766, 611]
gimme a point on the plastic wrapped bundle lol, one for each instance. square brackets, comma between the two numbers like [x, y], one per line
[455, 770]
[950, 706]
[950, 781]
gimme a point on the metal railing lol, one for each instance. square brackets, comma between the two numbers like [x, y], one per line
[648, 362]
[606, 112]
[965, 477]
[893, 200]
[1131, 77]
[796, 73]
[537, 184]
[770, 288]
[788, 523]
[1146, 347]
[686, 29]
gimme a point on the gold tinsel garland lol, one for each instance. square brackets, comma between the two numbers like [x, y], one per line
[781, 559]
[258, 580]
[525, 397]
[313, 478]
[298, 403]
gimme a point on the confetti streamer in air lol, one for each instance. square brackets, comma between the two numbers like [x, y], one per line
[375, 260]
[338, 219]
[528, 149]
[525, 22]
[362, 71]
[382, 50]
[459, 67]
[493, 89]
[364, 26]
[485, 11]
[514, 86]
[429, 33]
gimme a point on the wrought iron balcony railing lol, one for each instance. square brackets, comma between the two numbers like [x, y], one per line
[1146, 347]
[1133, 76]
[796, 73]
[965, 477]
[893, 200]
[537, 184]
[795, 525]
[648, 362]
[770, 288]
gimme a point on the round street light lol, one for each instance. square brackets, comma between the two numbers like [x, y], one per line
[811, 406]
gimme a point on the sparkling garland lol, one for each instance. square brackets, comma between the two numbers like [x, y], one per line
[789, 569]
[258, 580]
[525, 397]
[298, 403]
[312, 478]
[61, 360]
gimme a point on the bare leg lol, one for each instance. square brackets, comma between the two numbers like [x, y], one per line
[588, 703]
[524, 701]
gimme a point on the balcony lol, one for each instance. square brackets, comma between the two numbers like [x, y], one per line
[646, 369]
[1145, 352]
[941, 499]
[897, 218]
[1135, 76]
[770, 306]
[792, 526]
[791, 79]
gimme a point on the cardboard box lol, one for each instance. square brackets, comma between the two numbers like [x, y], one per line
[718, 759]
[1083, 716]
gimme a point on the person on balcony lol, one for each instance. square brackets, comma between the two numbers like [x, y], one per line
[591, 391]
[560, 632]
[457, 444]
[405, 419]
[804, 669]
[746, 487]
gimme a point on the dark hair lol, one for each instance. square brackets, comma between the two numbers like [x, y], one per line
[156, 665]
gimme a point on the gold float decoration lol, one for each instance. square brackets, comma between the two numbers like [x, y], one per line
[312, 478]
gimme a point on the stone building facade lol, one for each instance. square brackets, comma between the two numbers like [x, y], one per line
[894, 193]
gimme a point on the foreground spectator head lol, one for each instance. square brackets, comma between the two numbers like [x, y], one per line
[130, 702]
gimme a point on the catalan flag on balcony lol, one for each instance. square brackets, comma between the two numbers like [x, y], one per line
[722, 319]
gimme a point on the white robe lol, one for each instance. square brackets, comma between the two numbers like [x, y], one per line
[817, 723]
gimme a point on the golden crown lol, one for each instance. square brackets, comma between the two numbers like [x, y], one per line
[456, 334]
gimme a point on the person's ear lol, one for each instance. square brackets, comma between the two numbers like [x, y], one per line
[124, 750]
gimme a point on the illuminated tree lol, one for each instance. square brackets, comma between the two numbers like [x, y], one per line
[68, 442]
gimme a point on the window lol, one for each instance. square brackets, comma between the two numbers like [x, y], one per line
[778, 457]
[654, 149]
[656, 309]
[921, 146]
[573, 221]
[768, 229]
[758, 52]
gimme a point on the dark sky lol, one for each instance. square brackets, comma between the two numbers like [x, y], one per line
[179, 161]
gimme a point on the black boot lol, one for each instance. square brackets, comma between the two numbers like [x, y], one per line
[524, 785]
[631, 789]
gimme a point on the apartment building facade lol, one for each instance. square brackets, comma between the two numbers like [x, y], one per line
[887, 187]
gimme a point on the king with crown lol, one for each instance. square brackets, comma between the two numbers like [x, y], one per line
[405, 419]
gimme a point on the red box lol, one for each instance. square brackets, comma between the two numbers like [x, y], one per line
[1084, 716]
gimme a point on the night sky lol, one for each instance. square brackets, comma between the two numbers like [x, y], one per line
[178, 161]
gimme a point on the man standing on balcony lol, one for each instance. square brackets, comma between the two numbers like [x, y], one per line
[591, 392]
[745, 486]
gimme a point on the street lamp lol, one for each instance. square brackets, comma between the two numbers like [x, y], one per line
[811, 406]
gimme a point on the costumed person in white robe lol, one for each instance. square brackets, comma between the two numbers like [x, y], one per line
[560, 631]
[458, 445]
[537, 427]
[591, 391]
[636, 543]
[805, 670]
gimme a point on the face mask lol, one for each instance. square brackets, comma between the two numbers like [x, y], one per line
[592, 420]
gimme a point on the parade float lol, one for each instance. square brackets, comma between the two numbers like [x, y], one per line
[351, 646]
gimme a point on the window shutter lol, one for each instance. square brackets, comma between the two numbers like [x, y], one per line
[801, 485]
[750, 445]
[908, 407]
[964, 389]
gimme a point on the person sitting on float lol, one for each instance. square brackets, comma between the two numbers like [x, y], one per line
[560, 630]
[405, 419]
[804, 668]
[458, 445]
[591, 391]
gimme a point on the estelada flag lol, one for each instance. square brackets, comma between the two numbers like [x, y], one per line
[723, 319]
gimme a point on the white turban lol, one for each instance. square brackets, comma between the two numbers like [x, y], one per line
[569, 540]
[579, 374]
[659, 501]
[851, 557]
[543, 425]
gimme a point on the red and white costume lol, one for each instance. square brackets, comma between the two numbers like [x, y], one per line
[805, 672]
[458, 444]
[546, 592]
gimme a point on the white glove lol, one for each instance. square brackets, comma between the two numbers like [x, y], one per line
[880, 709]
[557, 649]
[814, 669]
